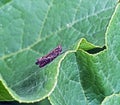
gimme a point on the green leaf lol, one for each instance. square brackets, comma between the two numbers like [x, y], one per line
[68, 90]
[43, 102]
[4, 94]
[30, 29]
[112, 100]
[4, 2]
[98, 73]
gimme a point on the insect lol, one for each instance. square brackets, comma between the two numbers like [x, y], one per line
[49, 57]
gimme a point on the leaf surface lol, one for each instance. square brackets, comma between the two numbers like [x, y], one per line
[31, 29]
[98, 73]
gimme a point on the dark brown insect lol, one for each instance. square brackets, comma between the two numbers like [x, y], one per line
[49, 57]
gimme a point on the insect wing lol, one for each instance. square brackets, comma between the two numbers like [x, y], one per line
[49, 57]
